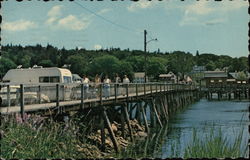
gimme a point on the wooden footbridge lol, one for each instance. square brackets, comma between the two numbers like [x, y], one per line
[150, 104]
[228, 91]
[117, 102]
[32, 98]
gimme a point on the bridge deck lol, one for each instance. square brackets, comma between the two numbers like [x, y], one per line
[45, 106]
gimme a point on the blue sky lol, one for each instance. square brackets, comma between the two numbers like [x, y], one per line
[207, 26]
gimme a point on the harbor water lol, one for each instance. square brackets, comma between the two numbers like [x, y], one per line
[202, 118]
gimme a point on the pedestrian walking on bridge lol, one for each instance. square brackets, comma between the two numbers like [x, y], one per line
[106, 86]
[125, 81]
[86, 82]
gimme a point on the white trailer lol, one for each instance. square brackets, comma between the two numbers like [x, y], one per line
[38, 75]
[47, 78]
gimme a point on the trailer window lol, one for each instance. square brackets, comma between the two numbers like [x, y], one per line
[43, 79]
[66, 79]
[54, 79]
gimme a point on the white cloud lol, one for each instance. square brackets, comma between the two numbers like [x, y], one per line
[55, 11]
[142, 4]
[199, 8]
[19, 25]
[51, 20]
[214, 21]
[70, 22]
[233, 5]
[73, 23]
[200, 12]
[105, 10]
[97, 47]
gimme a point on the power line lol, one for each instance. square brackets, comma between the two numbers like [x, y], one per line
[107, 20]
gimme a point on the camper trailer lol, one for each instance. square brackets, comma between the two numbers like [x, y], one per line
[31, 78]
[38, 74]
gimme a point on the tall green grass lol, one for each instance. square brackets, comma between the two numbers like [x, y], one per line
[216, 145]
[36, 137]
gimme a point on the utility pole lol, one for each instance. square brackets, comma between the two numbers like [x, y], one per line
[145, 52]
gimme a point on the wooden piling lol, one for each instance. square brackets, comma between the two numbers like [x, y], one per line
[144, 116]
[132, 108]
[125, 113]
[57, 95]
[22, 100]
[152, 117]
[156, 113]
[138, 112]
[39, 94]
[111, 133]
[82, 97]
[8, 95]
[103, 136]
[162, 108]
[122, 123]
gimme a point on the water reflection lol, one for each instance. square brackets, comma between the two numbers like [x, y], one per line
[204, 117]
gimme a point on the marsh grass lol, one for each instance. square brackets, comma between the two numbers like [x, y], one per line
[216, 145]
[36, 137]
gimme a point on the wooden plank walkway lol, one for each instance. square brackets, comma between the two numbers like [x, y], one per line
[45, 106]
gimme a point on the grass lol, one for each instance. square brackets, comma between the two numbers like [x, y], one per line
[215, 145]
[36, 137]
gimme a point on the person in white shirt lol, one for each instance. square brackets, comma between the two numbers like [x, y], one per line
[117, 81]
[126, 82]
[106, 83]
[125, 79]
[86, 86]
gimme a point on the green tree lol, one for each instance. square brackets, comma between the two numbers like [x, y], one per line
[137, 63]
[155, 67]
[210, 66]
[46, 63]
[126, 68]
[77, 64]
[105, 65]
[5, 65]
[241, 76]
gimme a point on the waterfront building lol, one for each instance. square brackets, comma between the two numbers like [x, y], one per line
[168, 78]
[215, 77]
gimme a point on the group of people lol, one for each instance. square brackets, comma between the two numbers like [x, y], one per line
[106, 84]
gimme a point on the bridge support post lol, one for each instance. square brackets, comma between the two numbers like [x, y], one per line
[156, 113]
[39, 94]
[138, 112]
[125, 113]
[166, 106]
[152, 118]
[245, 92]
[144, 116]
[239, 93]
[57, 95]
[22, 100]
[8, 95]
[103, 136]
[82, 96]
[163, 108]
[111, 133]
[122, 122]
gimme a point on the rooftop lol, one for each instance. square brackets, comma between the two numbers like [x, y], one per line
[215, 74]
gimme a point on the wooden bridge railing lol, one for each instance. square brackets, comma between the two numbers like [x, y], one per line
[21, 94]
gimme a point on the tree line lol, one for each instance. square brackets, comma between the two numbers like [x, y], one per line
[114, 60]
